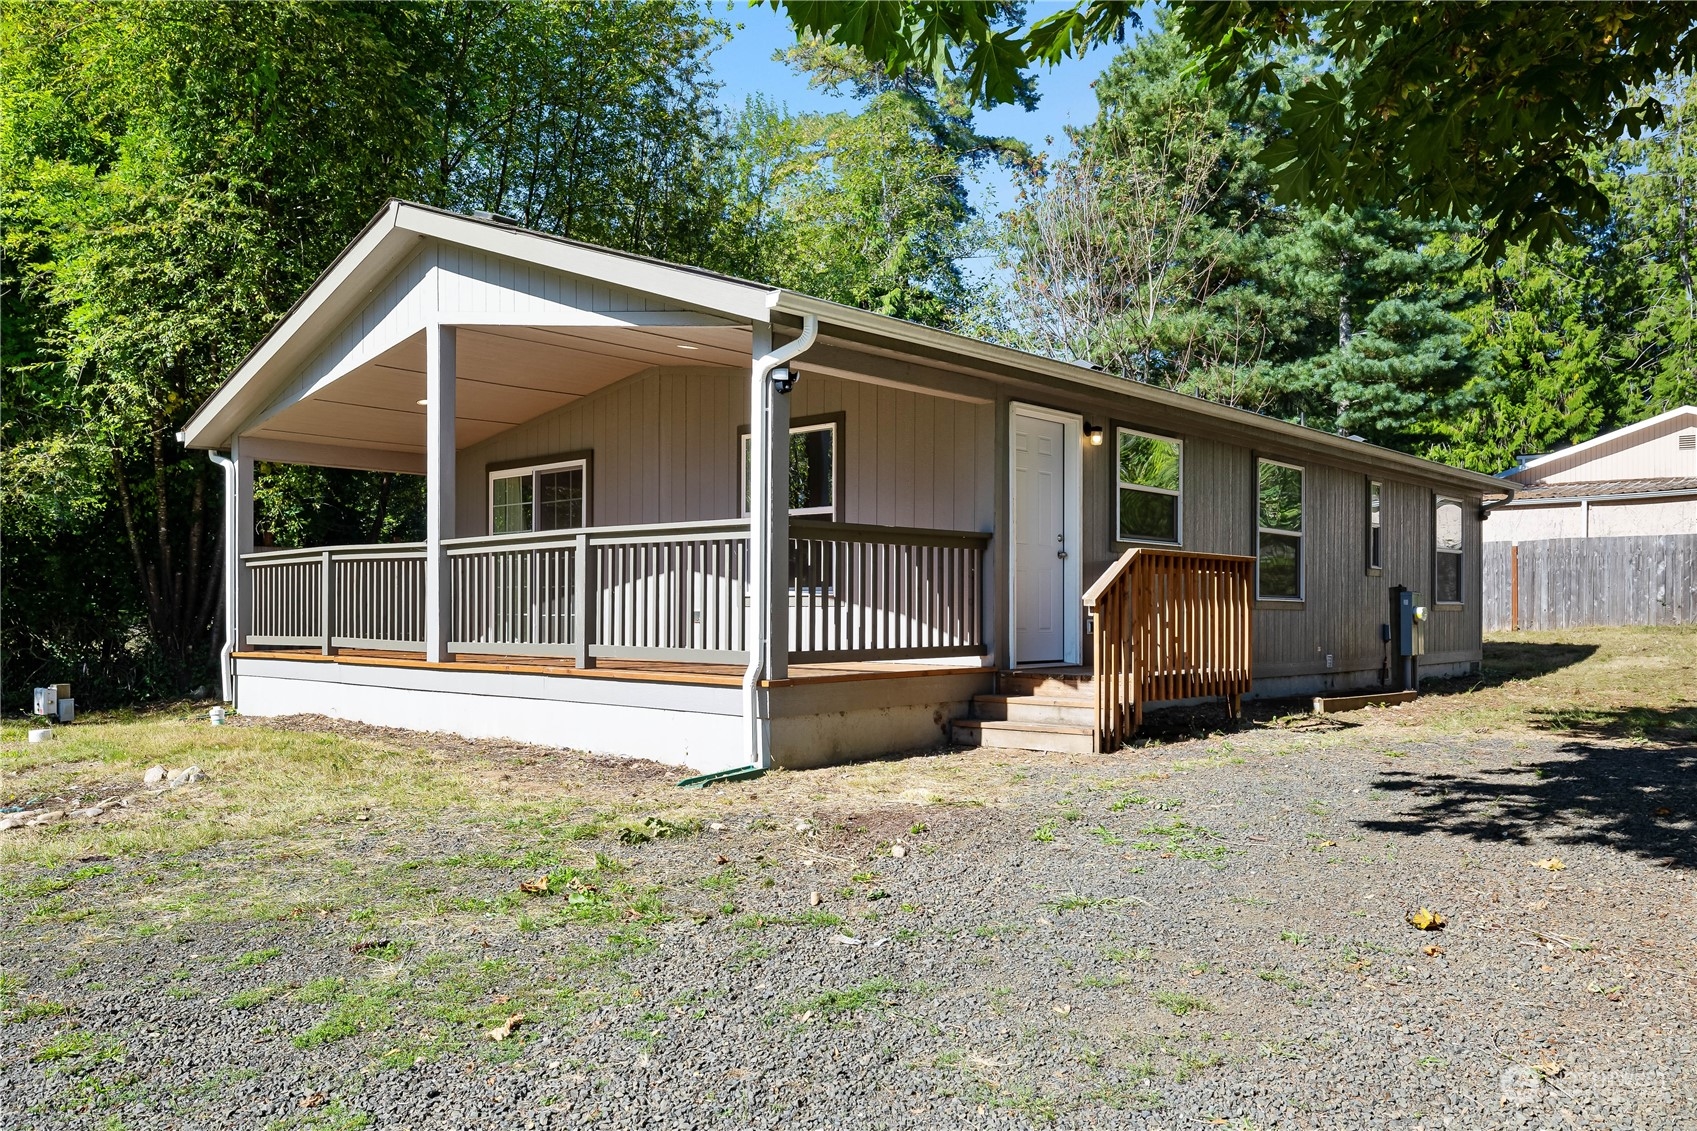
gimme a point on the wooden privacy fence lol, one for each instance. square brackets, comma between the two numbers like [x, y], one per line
[1553, 583]
[677, 592]
[879, 592]
[1169, 625]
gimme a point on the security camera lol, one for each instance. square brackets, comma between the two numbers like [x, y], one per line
[784, 378]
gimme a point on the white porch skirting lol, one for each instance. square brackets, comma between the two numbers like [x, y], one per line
[698, 727]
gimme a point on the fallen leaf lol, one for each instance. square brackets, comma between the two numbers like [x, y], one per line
[1326, 844]
[538, 886]
[1663, 811]
[314, 1099]
[815, 899]
[1425, 920]
[369, 945]
[1553, 864]
[1432, 951]
[1063, 1010]
[1548, 1070]
[721, 860]
[505, 1029]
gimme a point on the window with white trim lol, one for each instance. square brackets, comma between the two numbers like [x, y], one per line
[1447, 561]
[550, 496]
[1375, 525]
[1149, 496]
[1278, 521]
[813, 470]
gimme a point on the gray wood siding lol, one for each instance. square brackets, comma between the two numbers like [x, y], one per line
[666, 449]
[1344, 603]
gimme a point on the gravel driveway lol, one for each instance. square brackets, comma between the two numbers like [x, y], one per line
[1195, 933]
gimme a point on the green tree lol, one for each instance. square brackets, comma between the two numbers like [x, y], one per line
[870, 207]
[1439, 110]
[173, 176]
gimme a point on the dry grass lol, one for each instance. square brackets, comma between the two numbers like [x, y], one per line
[274, 778]
[1625, 682]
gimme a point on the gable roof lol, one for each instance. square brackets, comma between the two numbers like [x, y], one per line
[402, 227]
[1533, 469]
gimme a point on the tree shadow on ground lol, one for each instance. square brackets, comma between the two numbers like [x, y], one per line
[1506, 661]
[1593, 789]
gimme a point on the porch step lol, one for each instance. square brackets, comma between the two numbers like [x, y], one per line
[1066, 710]
[1046, 709]
[1058, 738]
[1058, 683]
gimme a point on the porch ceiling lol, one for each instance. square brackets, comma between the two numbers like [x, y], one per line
[507, 375]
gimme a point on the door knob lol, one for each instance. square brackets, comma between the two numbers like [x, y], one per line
[1060, 553]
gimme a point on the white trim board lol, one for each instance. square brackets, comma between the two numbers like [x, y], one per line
[1072, 527]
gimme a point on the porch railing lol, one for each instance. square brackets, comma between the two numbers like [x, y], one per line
[676, 592]
[1169, 625]
[879, 592]
[338, 597]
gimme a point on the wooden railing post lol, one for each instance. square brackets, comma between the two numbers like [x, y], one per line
[584, 602]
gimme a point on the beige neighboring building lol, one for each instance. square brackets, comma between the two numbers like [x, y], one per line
[1636, 481]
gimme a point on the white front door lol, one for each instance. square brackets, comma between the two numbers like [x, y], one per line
[1040, 543]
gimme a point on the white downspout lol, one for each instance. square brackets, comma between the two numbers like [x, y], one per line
[760, 556]
[226, 675]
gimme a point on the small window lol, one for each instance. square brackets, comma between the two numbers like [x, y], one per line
[1151, 468]
[1278, 510]
[813, 470]
[546, 497]
[1446, 584]
[1375, 526]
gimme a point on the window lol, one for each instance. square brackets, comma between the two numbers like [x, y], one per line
[1278, 516]
[1375, 526]
[1151, 468]
[1446, 582]
[813, 470]
[544, 497]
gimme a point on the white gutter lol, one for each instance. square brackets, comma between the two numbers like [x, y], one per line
[227, 677]
[759, 554]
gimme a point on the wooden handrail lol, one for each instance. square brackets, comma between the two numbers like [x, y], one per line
[1170, 624]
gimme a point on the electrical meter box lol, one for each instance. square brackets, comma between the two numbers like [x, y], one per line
[1411, 623]
[55, 702]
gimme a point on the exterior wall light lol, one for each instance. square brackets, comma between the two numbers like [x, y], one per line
[1093, 433]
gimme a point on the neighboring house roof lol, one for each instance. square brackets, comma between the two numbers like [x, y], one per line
[1608, 489]
[401, 227]
[1533, 470]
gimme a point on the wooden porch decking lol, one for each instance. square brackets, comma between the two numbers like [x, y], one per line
[648, 671]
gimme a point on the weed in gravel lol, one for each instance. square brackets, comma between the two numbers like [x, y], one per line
[78, 1050]
[835, 1005]
[1045, 833]
[647, 1031]
[1134, 954]
[1280, 978]
[353, 1012]
[1127, 1097]
[1296, 937]
[1106, 835]
[1192, 1063]
[1074, 902]
[1182, 840]
[35, 1008]
[726, 880]
[1179, 1003]
[1103, 981]
[254, 998]
[254, 958]
[755, 922]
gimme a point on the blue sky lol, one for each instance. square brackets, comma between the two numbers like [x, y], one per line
[745, 67]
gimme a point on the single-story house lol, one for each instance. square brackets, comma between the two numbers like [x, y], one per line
[1636, 480]
[684, 516]
[1600, 533]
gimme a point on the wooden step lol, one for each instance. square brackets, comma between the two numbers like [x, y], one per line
[1071, 710]
[1056, 738]
[1055, 684]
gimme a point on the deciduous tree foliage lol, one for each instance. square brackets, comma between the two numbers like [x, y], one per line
[176, 174]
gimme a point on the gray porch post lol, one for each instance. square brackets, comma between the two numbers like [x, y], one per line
[439, 470]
